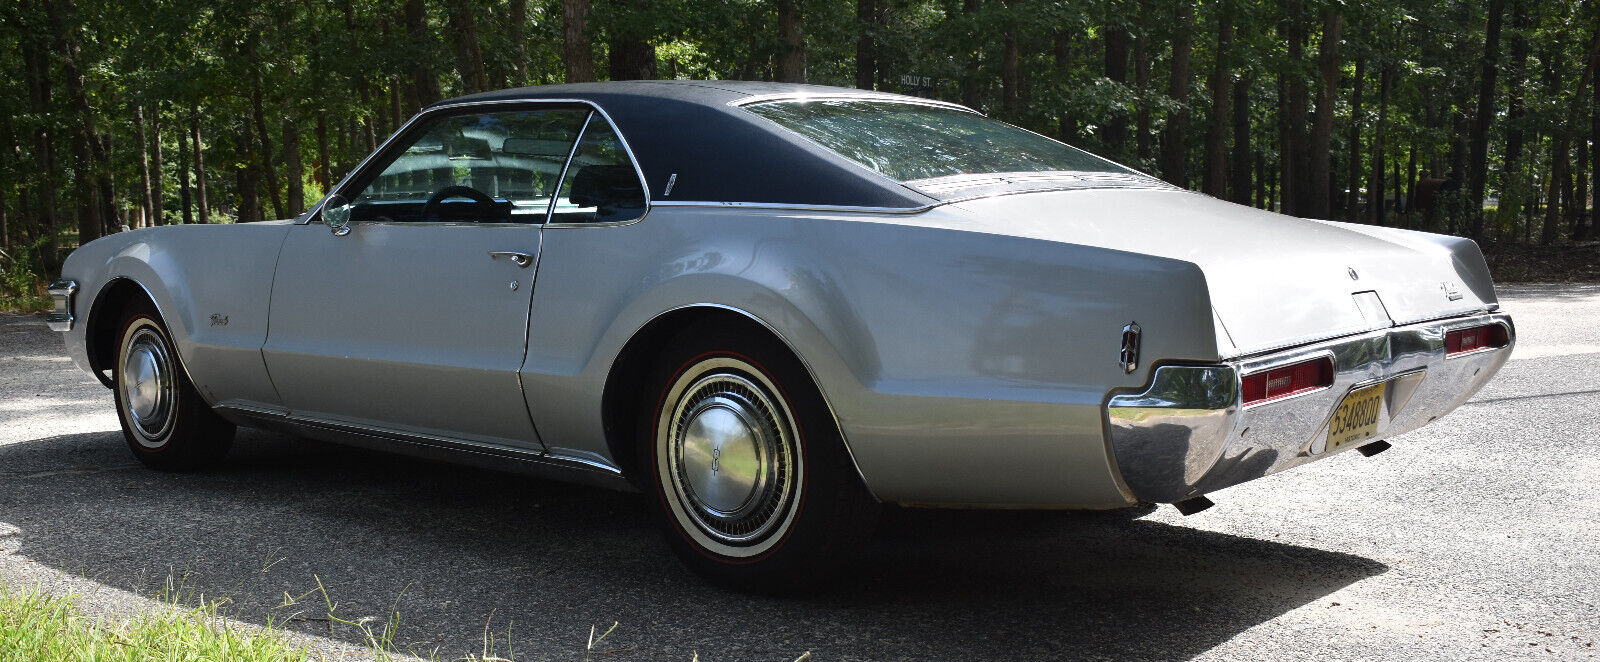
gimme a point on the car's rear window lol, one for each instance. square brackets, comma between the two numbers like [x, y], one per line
[911, 141]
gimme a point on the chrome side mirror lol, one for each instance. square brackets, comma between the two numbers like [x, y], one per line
[336, 215]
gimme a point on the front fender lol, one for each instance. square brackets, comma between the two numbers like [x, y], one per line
[209, 283]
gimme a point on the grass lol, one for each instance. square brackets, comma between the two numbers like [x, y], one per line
[36, 626]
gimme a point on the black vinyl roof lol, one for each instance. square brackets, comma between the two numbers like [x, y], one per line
[721, 153]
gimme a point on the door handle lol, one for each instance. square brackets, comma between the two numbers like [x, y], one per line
[519, 259]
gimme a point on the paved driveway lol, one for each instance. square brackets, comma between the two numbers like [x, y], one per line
[1475, 538]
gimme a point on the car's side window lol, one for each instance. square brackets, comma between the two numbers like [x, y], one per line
[500, 167]
[601, 185]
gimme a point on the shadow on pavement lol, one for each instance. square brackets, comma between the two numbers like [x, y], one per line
[454, 550]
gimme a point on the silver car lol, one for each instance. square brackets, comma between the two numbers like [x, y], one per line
[771, 308]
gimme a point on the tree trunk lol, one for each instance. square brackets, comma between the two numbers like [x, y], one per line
[1321, 152]
[518, 31]
[37, 70]
[1216, 176]
[971, 84]
[158, 180]
[292, 169]
[1479, 159]
[1352, 198]
[1242, 161]
[264, 141]
[866, 44]
[146, 206]
[1555, 78]
[184, 200]
[84, 143]
[1066, 120]
[632, 58]
[1115, 134]
[324, 166]
[1174, 148]
[1514, 192]
[1411, 187]
[244, 173]
[424, 83]
[1291, 113]
[577, 50]
[792, 44]
[1010, 64]
[1141, 80]
[469, 54]
[1375, 194]
[1594, 126]
[199, 168]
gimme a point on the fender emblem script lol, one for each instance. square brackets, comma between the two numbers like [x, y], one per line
[219, 319]
[1130, 347]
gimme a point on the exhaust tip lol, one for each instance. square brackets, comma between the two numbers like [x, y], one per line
[1193, 505]
[1373, 448]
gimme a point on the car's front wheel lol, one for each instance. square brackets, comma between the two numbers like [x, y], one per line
[166, 424]
[750, 474]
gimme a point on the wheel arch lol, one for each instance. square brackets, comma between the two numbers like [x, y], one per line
[101, 330]
[630, 370]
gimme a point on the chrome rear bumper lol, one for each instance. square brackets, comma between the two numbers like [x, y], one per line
[1187, 435]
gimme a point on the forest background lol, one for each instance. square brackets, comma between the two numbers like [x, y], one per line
[1473, 117]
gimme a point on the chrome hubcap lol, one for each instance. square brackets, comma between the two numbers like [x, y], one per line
[146, 385]
[729, 457]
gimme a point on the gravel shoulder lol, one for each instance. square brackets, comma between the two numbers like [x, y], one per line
[1475, 538]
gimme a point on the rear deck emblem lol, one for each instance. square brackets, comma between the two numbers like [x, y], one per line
[1130, 347]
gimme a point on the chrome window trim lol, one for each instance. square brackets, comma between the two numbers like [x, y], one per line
[744, 103]
[494, 103]
[780, 97]
[791, 206]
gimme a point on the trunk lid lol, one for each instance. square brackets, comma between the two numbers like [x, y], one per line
[1275, 281]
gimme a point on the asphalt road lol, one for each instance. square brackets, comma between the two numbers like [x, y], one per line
[1474, 538]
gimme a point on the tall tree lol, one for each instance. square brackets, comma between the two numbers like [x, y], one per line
[146, 208]
[199, 168]
[792, 48]
[1321, 152]
[1352, 198]
[1215, 182]
[1174, 141]
[866, 43]
[424, 83]
[1116, 69]
[1011, 61]
[1489, 69]
[62, 15]
[469, 53]
[577, 50]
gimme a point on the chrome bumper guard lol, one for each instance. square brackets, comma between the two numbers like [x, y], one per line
[63, 292]
[1187, 435]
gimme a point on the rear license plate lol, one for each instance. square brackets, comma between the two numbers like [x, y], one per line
[1356, 417]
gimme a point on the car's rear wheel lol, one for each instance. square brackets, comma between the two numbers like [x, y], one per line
[749, 473]
[166, 423]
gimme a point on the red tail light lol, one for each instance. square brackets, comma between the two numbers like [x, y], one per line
[1462, 341]
[1288, 380]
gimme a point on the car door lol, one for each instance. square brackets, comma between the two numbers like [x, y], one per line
[414, 318]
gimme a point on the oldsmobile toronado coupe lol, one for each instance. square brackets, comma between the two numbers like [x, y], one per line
[771, 308]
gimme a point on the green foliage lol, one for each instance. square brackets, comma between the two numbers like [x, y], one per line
[35, 626]
[313, 87]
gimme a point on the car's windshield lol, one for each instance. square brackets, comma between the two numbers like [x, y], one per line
[911, 141]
